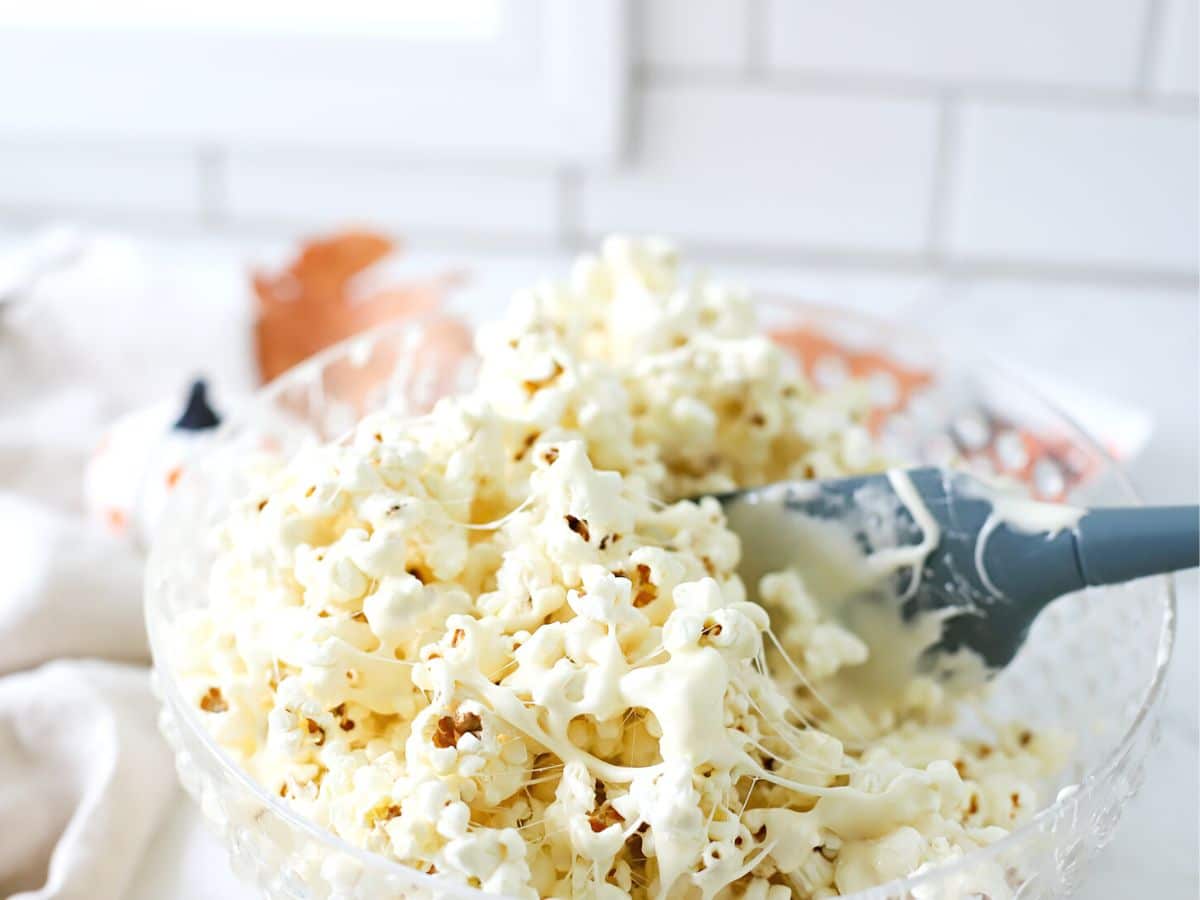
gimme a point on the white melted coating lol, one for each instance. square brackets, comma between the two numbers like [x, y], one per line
[492, 644]
[908, 556]
[856, 589]
[825, 550]
[1019, 514]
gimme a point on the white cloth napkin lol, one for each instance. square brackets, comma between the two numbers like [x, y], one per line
[70, 590]
[84, 775]
[85, 778]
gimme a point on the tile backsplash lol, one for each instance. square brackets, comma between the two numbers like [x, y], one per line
[738, 164]
[1084, 186]
[936, 135]
[1081, 43]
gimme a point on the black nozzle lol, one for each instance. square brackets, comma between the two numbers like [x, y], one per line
[198, 415]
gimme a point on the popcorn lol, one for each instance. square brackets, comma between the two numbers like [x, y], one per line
[469, 748]
[494, 644]
[605, 598]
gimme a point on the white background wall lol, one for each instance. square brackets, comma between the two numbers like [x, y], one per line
[1019, 173]
[1048, 139]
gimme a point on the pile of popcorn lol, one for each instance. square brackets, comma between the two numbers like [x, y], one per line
[493, 643]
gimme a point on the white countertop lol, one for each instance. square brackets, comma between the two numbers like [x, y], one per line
[1137, 345]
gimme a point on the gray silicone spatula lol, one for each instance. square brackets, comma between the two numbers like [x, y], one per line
[993, 563]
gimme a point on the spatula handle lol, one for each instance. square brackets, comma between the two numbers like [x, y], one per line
[1117, 545]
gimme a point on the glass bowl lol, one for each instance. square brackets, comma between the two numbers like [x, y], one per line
[1094, 662]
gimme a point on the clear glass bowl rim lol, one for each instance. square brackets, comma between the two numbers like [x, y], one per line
[984, 364]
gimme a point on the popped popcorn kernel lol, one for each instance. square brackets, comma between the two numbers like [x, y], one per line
[496, 642]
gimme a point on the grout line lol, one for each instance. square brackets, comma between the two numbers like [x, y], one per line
[187, 226]
[944, 170]
[212, 172]
[754, 62]
[413, 236]
[963, 268]
[498, 244]
[28, 218]
[878, 86]
[568, 211]
[410, 160]
[637, 40]
[1150, 47]
[504, 164]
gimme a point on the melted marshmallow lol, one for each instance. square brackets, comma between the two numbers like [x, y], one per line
[486, 643]
[1020, 514]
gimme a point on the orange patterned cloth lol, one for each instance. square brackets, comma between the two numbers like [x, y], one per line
[1051, 464]
[316, 301]
[809, 345]
[312, 303]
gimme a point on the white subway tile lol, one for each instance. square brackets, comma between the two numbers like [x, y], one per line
[749, 166]
[1064, 42]
[883, 294]
[1107, 186]
[83, 178]
[687, 33]
[1174, 70]
[286, 188]
[1129, 344]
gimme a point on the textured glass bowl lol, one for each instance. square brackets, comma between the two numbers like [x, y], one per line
[1093, 665]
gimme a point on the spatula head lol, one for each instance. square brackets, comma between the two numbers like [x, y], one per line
[855, 541]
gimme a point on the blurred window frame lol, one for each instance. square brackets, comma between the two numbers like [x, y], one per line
[547, 85]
